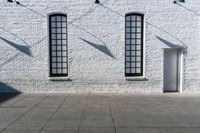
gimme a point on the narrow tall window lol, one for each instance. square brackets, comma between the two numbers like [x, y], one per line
[58, 45]
[134, 45]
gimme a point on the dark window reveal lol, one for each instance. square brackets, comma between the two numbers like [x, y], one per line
[58, 45]
[134, 45]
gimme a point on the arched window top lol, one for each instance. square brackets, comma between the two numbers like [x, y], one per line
[57, 14]
[58, 45]
[135, 13]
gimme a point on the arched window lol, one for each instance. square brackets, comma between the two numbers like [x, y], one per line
[58, 45]
[134, 24]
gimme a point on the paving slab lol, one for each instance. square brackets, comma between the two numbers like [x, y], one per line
[96, 130]
[157, 130]
[64, 130]
[88, 113]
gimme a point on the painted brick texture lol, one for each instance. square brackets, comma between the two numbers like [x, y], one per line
[24, 48]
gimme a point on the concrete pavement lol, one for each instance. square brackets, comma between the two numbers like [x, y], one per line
[99, 113]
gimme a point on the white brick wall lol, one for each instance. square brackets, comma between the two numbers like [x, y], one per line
[90, 69]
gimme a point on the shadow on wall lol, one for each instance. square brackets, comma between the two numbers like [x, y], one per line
[169, 44]
[21, 48]
[198, 14]
[7, 92]
[101, 48]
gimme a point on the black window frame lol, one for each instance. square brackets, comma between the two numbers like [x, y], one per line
[131, 74]
[56, 45]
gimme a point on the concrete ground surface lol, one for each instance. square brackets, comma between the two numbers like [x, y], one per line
[99, 113]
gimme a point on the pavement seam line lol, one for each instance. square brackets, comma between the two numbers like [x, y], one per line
[53, 114]
[82, 115]
[111, 114]
[23, 114]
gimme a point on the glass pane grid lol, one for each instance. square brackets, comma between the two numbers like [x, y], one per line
[133, 50]
[58, 34]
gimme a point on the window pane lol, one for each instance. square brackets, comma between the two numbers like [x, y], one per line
[128, 30]
[58, 24]
[58, 53]
[139, 24]
[64, 48]
[53, 24]
[64, 30]
[128, 64]
[133, 36]
[53, 18]
[139, 18]
[138, 65]
[59, 71]
[53, 30]
[64, 18]
[58, 44]
[128, 70]
[128, 18]
[128, 53]
[53, 42]
[53, 36]
[138, 58]
[133, 47]
[64, 36]
[53, 65]
[132, 70]
[128, 47]
[133, 24]
[138, 70]
[128, 59]
[64, 65]
[132, 64]
[64, 24]
[58, 36]
[133, 18]
[54, 71]
[58, 18]
[132, 53]
[128, 41]
[138, 47]
[64, 53]
[64, 71]
[64, 41]
[133, 30]
[53, 47]
[59, 65]
[64, 59]
[59, 30]
[59, 59]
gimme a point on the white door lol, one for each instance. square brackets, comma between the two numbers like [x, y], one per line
[171, 70]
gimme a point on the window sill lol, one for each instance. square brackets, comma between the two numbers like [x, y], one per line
[60, 79]
[136, 79]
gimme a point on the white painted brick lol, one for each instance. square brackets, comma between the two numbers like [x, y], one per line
[90, 69]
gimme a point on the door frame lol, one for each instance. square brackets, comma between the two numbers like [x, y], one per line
[179, 72]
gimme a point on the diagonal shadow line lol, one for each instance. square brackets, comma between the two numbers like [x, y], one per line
[15, 36]
[32, 10]
[171, 45]
[198, 14]
[112, 10]
[149, 24]
[16, 55]
[101, 48]
[90, 11]
[24, 49]
[184, 45]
